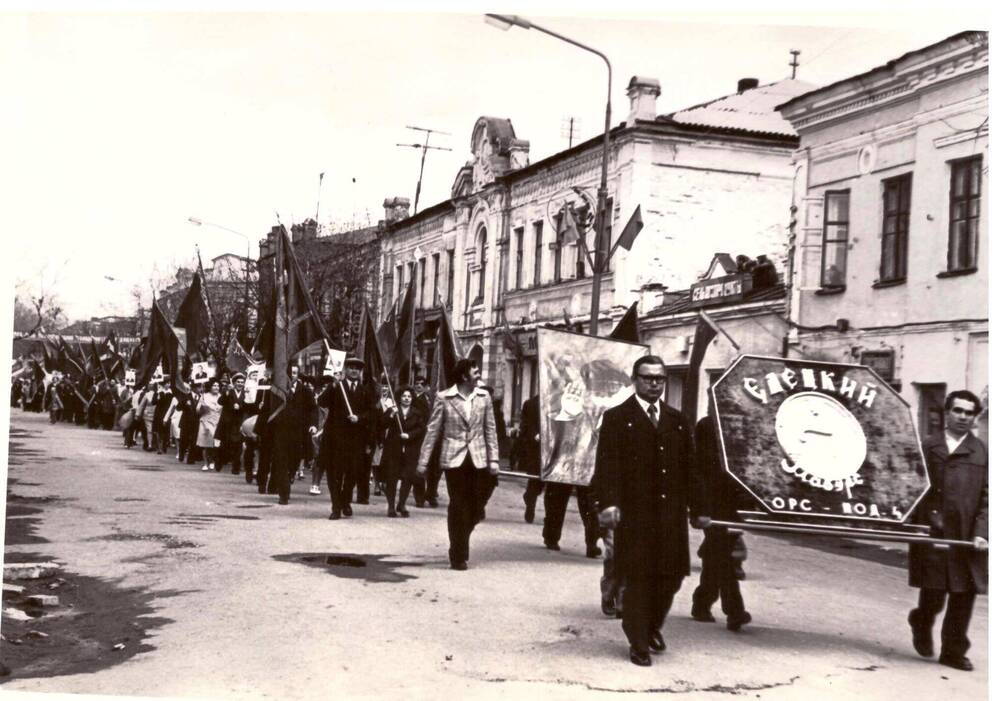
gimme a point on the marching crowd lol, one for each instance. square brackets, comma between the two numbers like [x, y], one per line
[653, 477]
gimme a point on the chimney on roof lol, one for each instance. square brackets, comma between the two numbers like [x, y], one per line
[745, 84]
[642, 94]
[396, 208]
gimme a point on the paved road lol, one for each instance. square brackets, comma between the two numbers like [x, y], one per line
[241, 614]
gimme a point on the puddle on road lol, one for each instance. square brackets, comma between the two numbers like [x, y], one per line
[146, 469]
[130, 499]
[231, 517]
[371, 568]
[254, 506]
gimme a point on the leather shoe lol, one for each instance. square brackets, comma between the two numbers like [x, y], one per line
[460, 565]
[923, 639]
[703, 615]
[392, 513]
[639, 657]
[432, 502]
[593, 551]
[405, 513]
[656, 642]
[552, 545]
[347, 511]
[734, 623]
[334, 516]
[283, 501]
[607, 607]
[955, 662]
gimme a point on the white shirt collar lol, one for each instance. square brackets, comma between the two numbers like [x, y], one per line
[645, 405]
[453, 392]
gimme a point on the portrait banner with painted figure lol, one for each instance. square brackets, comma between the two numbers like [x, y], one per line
[579, 377]
[820, 442]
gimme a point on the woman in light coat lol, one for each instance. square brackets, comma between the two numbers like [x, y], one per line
[209, 410]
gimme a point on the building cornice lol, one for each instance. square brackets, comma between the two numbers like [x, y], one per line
[937, 65]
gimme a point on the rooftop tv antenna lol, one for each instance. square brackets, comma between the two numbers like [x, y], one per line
[425, 147]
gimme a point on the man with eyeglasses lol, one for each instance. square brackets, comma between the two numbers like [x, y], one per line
[645, 485]
[955, 508]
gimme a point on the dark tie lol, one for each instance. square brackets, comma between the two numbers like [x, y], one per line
[652, 415]
[353, 384]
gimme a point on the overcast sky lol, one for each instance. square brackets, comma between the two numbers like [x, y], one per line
[126, 125]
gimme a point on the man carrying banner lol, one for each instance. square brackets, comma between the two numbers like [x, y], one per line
[462, 420]
[644, 487]
[957, 507]
[347, 437]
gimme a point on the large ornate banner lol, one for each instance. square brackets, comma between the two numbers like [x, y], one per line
[819, 440]
[579, 377]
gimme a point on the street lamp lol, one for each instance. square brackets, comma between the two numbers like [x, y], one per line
[505, 22]
[246, 272]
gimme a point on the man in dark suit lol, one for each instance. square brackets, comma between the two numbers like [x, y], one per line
[348, 435]
[284, 435]
[957, 507]
[234, 411]
[720, 572]
[644, 488]
[529, 459]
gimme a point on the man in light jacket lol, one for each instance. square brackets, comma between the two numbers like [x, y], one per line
[462, 420]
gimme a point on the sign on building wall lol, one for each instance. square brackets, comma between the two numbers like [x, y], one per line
[579, 377]
[819, 440]
[729, 288]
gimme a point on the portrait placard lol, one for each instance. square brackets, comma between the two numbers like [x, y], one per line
[579, 377]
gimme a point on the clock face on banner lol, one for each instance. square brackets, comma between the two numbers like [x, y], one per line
[819, 440]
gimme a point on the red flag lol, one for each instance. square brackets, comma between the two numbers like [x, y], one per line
[703, 335]
[402, 354]
[193, 317]
[627, 328]
[447, 352]
[369, 349]
[296, 322]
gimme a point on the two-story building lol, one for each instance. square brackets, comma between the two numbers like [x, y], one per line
[709, 178]
[890, 247]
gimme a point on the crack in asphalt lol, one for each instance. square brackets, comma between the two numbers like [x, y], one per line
[735, 690]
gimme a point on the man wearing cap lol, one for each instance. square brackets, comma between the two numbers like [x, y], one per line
[347, 437]
[462, 422]
[234, 411]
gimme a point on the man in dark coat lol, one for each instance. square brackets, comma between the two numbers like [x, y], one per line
[348, 435]
[644, 488]
[529, 455]
[234, 411]
[283, 436]
[720, 573]
[161, 429]
[956, 508]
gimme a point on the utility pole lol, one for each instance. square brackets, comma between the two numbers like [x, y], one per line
[794, 63]
[423, 156]
[571, 125]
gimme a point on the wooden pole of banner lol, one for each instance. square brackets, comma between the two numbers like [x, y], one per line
[861, 535]
[343, 391]
[392, 395]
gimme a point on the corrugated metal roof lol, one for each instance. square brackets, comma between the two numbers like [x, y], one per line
[750, 111]
[682, 305]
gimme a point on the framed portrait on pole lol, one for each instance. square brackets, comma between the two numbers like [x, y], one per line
[579, 377]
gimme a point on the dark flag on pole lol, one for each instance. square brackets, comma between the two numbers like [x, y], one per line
[296, 322]
[631, 230]
[703, 335]
[369, 349]
[447, 352]
[387, 332]
[237, 359]
[627, 328]
[193, 317]
[162, 348]
[401, 356]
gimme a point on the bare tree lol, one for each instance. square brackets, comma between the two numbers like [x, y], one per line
[37, 309]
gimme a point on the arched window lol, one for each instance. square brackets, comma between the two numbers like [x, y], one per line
[481, 243]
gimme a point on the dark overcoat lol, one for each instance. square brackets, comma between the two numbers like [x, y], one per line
[399, 457]
[646, 471]
[339, 433]
[235, 411]
[529, 449]
[956, 507]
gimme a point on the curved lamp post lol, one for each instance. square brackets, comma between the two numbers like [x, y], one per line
[505, 22]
